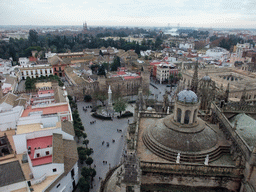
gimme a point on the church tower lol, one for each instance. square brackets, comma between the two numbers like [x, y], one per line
[84, 28]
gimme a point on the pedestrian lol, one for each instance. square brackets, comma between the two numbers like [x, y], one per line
[128, 121]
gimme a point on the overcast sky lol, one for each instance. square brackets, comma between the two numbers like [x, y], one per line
[188, 13]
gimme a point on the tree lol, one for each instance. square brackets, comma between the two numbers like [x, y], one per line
[89, 161]
[87, 98]
[137, 49]
[100, 53]
[100, 95]
[120, 105]
[82, 156]
[83, 185]
[86, 142]
[115, 64]
[78, 133]
[92, 172]
[117, 93]
[101, 70]
[84, 135]
[88, 151]
[179, 76]
[85, 172]
[33, 37]
[106, 65]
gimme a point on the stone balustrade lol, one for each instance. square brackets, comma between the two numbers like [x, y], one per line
[231, 133]
[191, 169]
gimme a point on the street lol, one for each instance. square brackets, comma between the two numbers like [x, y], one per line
[159, 91]
[103, 131]
[21, 86]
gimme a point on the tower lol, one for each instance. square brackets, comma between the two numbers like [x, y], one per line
[84, 27]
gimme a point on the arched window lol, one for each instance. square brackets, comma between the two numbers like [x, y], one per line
[187, 115]
[195, 115]
[178, 115]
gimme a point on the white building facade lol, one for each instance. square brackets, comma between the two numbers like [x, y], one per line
[34, 71]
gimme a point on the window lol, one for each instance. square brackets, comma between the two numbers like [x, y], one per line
[38, 155]
[187, 117]
[47, 152]
[72, 173]
[54, 170]
[179, 115]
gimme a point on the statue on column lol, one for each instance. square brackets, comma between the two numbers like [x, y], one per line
[109, 97]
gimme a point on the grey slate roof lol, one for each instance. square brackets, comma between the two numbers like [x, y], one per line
[11, 173]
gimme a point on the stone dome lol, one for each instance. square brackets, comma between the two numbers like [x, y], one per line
[167, 138]
[187, 96]
[206, 78]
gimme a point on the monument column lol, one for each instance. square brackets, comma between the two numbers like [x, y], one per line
[109, 96]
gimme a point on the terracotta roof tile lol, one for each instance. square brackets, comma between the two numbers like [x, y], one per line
[70, 159]
[9, 98]
[70, 154]
[57, 148]
[67, 127]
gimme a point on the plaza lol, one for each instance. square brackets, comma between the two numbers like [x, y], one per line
[103, 130]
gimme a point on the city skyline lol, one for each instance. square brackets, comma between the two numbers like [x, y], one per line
[199, 13]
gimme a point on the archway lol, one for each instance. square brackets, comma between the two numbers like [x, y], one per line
[195, 115]
[187, 116]
[179, 115]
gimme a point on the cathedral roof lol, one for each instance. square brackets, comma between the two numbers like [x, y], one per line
[206, 78]
[166, 139]
[187, 96]
[245, 126]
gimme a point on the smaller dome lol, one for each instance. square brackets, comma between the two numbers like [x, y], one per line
[187, 96]
[206, 78]
[149, 109]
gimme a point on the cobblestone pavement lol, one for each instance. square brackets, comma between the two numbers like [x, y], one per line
[104, 131]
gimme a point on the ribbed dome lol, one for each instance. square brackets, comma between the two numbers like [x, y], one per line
[187, 96]
[166, 139]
